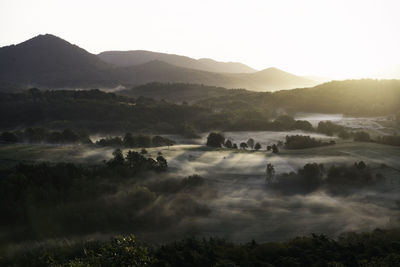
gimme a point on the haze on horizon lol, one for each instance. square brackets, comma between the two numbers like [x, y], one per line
[334, 39]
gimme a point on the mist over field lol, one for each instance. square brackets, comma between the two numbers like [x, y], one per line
[234, 201]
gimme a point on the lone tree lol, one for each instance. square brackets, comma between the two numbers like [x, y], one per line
[243, 145]
[257, 146]
[275, 149]
[234, 146]
[270, 171]
[215, 140]
[250, 143]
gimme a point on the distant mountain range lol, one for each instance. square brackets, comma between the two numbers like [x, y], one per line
[48, 61]
[137, 57]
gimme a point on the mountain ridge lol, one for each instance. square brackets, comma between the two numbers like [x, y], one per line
[137, 57]
[50, 62]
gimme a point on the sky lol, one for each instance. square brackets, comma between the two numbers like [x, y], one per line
[334, 39]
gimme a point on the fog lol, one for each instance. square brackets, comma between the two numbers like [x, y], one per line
[376, 125]
[234, 202]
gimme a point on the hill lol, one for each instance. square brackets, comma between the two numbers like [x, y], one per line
[364, 97]
[51, 61]
[176, 92]
[137, 57]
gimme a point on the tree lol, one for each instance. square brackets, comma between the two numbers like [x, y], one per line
[162, 163]
[228, 144]
[360, 165]
[257, 146]
[143, 141]
[250, 143]
[215, 140]
[275, 149]
[270, 171]
[362, 137]
[158, 141]
[344, 134]
[243, 145]
[311, 175]
[118, 159]
[143, 151]
[69, 136]
[234, 146]
[129, 141]
[8, 137]
[135, 160]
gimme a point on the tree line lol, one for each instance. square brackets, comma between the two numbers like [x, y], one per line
[129, 140]
[43, 135]
[375, 248]
[217, 140]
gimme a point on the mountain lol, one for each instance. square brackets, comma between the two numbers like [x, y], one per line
[271, 79]
[137, 57]
[47, 61]
[52, 61]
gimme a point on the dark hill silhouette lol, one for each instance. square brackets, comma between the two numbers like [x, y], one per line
[50, 62]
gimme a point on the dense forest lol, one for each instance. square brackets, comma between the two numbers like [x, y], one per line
[352, 97]
[96, 111]
[44, 200]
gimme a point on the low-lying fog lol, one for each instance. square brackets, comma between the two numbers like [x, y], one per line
[236, 203]
[263, 137]
[377, 125]
[241, 206]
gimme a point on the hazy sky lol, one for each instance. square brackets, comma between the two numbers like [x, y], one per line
[336, 38]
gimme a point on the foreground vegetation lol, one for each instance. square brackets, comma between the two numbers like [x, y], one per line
[376, 248]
